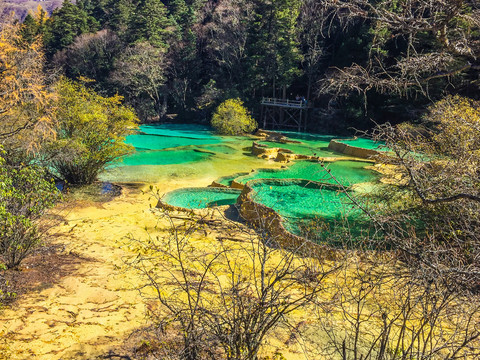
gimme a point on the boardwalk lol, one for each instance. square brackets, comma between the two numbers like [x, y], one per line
[284, 113]
[297, 104]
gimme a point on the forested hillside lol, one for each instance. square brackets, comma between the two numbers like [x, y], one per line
[355, 60]
[143, 214]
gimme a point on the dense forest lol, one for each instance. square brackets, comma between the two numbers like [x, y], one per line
[75, 83]
[354, 60]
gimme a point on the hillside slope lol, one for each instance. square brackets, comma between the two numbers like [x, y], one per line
[22, 7]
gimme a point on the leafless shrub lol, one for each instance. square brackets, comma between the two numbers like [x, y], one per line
[381, 312]
[224, 300]
[401, 25]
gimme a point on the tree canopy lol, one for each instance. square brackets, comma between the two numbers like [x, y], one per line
[231, 118]
[369, 58]
[90, 133]
[25, 105]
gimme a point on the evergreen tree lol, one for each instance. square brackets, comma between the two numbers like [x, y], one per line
[33, 25]
[121, 12]
[274, 55]
[29, 30]
[186, 62]
[65, 24]
[151, 24]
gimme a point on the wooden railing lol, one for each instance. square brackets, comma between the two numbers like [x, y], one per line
[284, 102]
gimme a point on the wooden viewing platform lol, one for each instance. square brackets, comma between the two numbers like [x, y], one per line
[284, 103]
[284, 113]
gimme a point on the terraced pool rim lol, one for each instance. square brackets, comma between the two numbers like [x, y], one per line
[252, 210]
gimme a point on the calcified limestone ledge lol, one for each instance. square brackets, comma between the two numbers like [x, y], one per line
[338, 146]
[286, 155]
[267, 219]
[274, 136]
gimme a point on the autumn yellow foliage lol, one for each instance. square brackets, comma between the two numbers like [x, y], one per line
[232, 118]
[25, 104]
[457, 120]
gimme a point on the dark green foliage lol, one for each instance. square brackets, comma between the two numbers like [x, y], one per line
[150, 23]
[30, 29]
[65, 24]
[273, 54]
[339, 54]
[34, 25]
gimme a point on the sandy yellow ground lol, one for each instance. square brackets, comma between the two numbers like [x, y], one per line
[95, 307]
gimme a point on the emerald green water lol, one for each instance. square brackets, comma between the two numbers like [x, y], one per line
[184, 143]
[184, 154]
[346, 172]
[166, 152]
[364, 143]
[158, 142]
[191, 131]
[164, 157]
[295, 200]
[201, 198]
[302, 204]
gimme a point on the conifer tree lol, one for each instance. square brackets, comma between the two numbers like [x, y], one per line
[274, 54]
[151, 24]
[65, 24]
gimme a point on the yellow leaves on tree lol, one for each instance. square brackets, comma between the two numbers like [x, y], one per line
[232, 118]
[25, 102]
[91, 130]
[457, 121]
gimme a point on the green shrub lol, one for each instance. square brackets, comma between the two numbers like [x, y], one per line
[24, 196]
[232, 118]
[90, 134]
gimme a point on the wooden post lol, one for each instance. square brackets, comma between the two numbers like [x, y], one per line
[262, 116]
[300, 121]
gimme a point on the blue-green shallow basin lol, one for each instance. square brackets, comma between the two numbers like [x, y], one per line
[166, 157]
[309, 208]
[346, 172]
[201, 198]
[364, 144]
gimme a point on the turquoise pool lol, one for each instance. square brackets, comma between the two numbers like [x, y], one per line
[193, 153]
[346, 172]
[365, 144]
[201, 198]
[309, 208]
[170, 157]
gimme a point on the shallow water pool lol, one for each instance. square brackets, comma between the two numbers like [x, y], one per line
[201, 198]
[193, 154]
[346, 172]
[164, 157]
[364, 143]
[297, 201]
